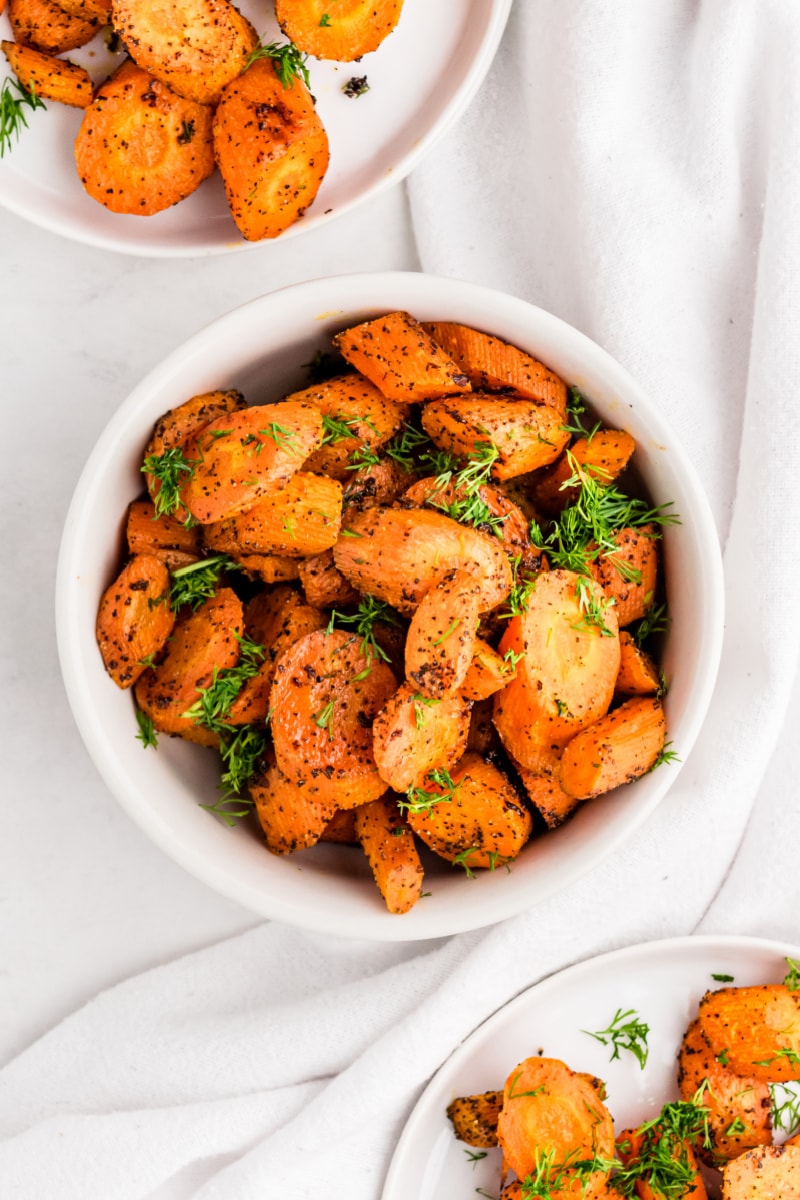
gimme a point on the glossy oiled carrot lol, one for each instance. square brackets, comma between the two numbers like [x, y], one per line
[50, 78]
[358, 415]
[543, 789]
[768, 1173]
[270, 568]
[495, 366]
[88, 10]
[343, 30]
[271, 149]
[413, 734]
[399, 555]
[291, 817]
[134, 620]
[392, 854]
[487, 673]
[325, 586]
[629, 575]
[167, 539]
[202, 642]
[397, 354]
[526, 435]
[441, 636]
[604, 456]
[620, 747]
[474, 1118]
[45, 26]
[297, 517]
[324, 698]
[341, 827]
[638, 674]
[377, 484]
[757, 1027]
[243, 455]
[565, 673]
[141, 147]
[479, 822]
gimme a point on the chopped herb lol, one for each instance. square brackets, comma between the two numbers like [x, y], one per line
[419, 800]
[420, 704]
[230, 809]
[197, 581]
[496, 857]
[722, 978]
[792, 978]
[511, 658]
[576, 409]
[12, 111]
[561, 707]
[662, 1162]
[785, 1107]
[214, 702]
[363, 620]
[241, 749]
[147, 734]
[289, 62]
[625, 1032]
[355, 87]
[324, 21]
[148, 661]
[514, 1095]
[453, 626]
[171, 470]
[362, 456]
[786, 1052]
[186, 134]
[665, 755]
[474, 1156]
[594, 605]
[736, 1126]
[324, 718]
[722, 1057]
[337, 429]
[402, 447]
[461, 860]
[283, 438]
[654, 621]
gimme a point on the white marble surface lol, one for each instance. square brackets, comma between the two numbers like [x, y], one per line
[85, 899]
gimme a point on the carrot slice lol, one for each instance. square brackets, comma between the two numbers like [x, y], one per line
[297, 517]
[241, 456]
[620, 747]
[343, 30]
[324, 698]
[441, 636]
[638, 674]
[399, 555]
[633, 1147]
[547, 1108]
[132, 623]
[341, 827]
[44, 26]
[194, 47]
[413, 735]
[488, 672]
[163, 537]
[479, 822]
[402, 360]
[292, 817]
[629, 574]
[98, 11]
[565, 674]
[604, 456]
[141, 147]
[270, 568]
[202, 642]
[527, 435]
[544, 790]
[377, 484]
[324, 586]
[757, 1027]
[389, 846]
[50, 78]
[495, 366]
[358, 416]
[271, 149]
[475, 1118]
[767, 1173]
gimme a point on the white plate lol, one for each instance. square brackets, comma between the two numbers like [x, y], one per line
[421, 79]
[662, 981]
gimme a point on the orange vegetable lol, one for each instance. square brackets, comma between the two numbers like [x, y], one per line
[757, 1027]
[197, 64]
[50, 78]
[527, 435]
[638, 674]
[441, 636]
[270, 568]
[474, 1118]
[324, 698]
[163, 537]
[271, 150]
[132, 626]
[341, 827]
[396, 354]
[358, 416]
[479, 822]
[202, 642]
[297, 517]
[412, 735]
[565, 675]
[544, 790]
[291, 816]
[400, 555]
[767, 1173]
[241, 456]
[343, 30]
[141, 147]
[620, 747]
[392, 855]
[633, 1145]
[487, 673]
[44, 26]
[629, 575]
[323, 584]
[378, 484]
[98, 11]
[603, 456]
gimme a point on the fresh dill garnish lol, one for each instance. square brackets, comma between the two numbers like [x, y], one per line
[289, 62]
[576, 410]
[356, 86]
[284, 439]
[721, 978]
[736, 1126]
[474, 1156]
[420, 704]
[515, 1095]
[147, 734]
[654, 621]
[462, 860]
[230, 809]
[12, 111]
[419, 800]
[463, 479]
[549, 1177]
[785, 1052]
[401, 449]
[497, 859]
[511, 658]
[785, 1107]
[324, 718]
[172, 470]
[324, 21]
[363, 620]
[241, 749]
[665, 755]
[723, 1057]
[452, 627]
[186, 134]
[662, 1160]
[214, 702]
[149, 660]
[337, 429]
[791, 979]
[362, 456]
[521, 591]
[625, 1032]
[198, 581]
[593, 604]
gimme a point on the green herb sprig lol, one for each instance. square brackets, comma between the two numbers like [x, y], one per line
[626, 1031]
[363, 620]
[198, 581]
[13, 118]
[420, 800]
[172, 470]
[287, 59]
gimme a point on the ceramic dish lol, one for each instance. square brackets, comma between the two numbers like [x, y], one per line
[259, 349]
[421, 79]
[662, 981]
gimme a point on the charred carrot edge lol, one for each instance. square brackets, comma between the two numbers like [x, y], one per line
[323, 585]
[270, 568]
[474, 1118]
[163, 537]
[389, 846]
[50, 78]
[134, 621]
[396, 354]
[617, 749]
[343, 31]
[291, 817]
[546, 794]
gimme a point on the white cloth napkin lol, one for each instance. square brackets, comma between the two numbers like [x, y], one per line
[633, 167]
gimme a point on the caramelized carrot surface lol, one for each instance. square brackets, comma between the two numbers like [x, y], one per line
[343, 30]
[396, 354]
[134, 619]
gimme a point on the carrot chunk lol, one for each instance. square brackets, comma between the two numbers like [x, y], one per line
[757, 1027]
[402, 360]
[413, 735]
[343, 30]
[134, 621]
[441, 636]
[526, 435]
[50, 78]
[389, 847]
[44, 26]
[620, 747]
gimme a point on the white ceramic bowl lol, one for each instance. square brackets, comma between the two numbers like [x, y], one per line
[259, 349]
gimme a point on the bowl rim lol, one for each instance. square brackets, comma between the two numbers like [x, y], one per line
[361, 290]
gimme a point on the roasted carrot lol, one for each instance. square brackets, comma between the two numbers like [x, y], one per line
[547, 1108]
[544, 790]
[629, 574]
[487, 673]
[325, 586]
[603, 456]
[270, 568]
[202, 643]
[475, 1118]
[396, 354]
[767, 1173]
[241, 456]
[493, 365]
[134, 621]
[291, 817]
[297, 517]
[356, 415]
[44, 26]
[341, 827]
[141, 147]
[271, 150]
[398, 555]
[88, 10]
[377, 484]
[638, 674]
[757, 1027]
[50, 78]
[616, 749]
[389, 846]
[739, 1107]
[342, 30]
[525, 434]
[441, 636]
[480, 820]
[324, 698]
[482, 737]
[169, 540]
[197, 64]
[413, 735]
[568, 658]
[648, 1150]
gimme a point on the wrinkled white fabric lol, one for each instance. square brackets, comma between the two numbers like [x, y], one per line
[633, 167]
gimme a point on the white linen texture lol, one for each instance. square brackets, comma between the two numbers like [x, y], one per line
[634, 168]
